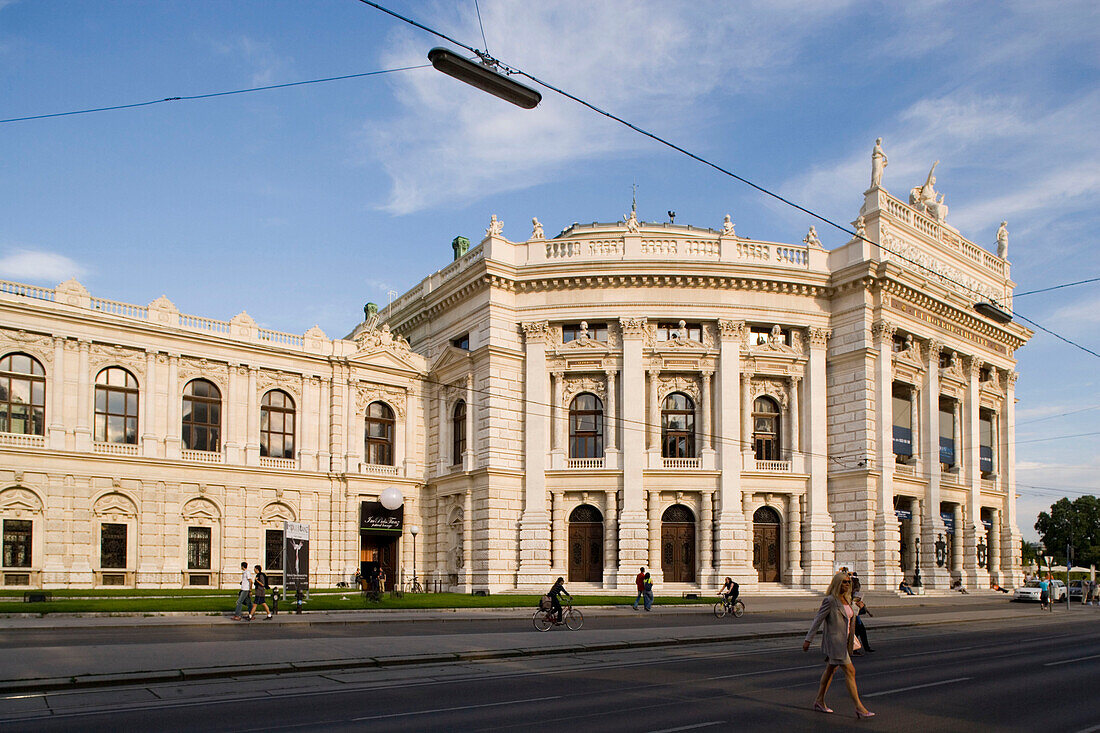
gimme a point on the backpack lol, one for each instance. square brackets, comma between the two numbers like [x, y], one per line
[261, 580]
[545, 604]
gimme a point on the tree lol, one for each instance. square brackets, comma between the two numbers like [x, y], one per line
[1076, 523]
[1030, 553]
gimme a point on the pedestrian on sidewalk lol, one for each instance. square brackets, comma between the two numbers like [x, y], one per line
[243, 596]
[904, 587]
[639, 580]
[260, 584]
[857, 587]
[647, 591]
[1044, 594]
[836, 618]
[861, 629]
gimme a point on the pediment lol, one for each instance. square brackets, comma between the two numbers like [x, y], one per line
[583, 346]
[449, 357]
[387, 357]
[19, 501]
[201, 509]
[277, 511]
[115, 505]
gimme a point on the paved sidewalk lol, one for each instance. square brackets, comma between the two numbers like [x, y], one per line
[56, 667]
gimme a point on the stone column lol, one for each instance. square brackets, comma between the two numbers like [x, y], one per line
[654, 420]
[324, 424]
[817, 558]
[307, 425]
[558, 541]
[534, 540]
[559, 413]
[794, 539]
[730, 533]
[633, 524]
[172, 441]
[956, 559]
[232, 430]
[750, 573]
[914, 422]
[251, 421]
[83, 398]
[656, 569]
[973, 576]
[147, 402]
[467, 575]
[932, 526]
[56, 389]
[706, 437]
[338, 424]
[469, 459]
[797, 461]
[994, 552]
[887, 571]
[405, 455]
[610, 541]
[914, 535]
[611, 423]
[748, 462]
[706, 545]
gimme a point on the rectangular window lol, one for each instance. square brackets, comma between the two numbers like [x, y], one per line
[761, 336]
[947, 433]
[985, 441]
[112, 546]
[903, 422]
[672, 331]
[462, 342]
[574, 331]
[198, 548]
[273, 549]
[17, 543]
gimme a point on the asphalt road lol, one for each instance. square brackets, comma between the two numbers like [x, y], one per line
[1035, 672]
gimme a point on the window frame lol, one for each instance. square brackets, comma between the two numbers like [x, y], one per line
[379, 451]
[461, 342]
[458, 432]
[678, 443]
[130, 407]
[571, 331]
[34, 417]
[189, 426]
[668, 331]
[15, 538]
[902, 434]
[767, 446]
[195, 545]
[287, 411]
[586, 443]
[123, 538]
[948, 446]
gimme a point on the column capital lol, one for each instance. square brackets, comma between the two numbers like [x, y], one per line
[795, 379]
[610, 373]
[819, 337]
[707, 373]
[883, 330]
[536, 331]
[632, 327]
[730, 330]
[1011, 377]
[653, 372]
[934, 349]
[558, 374]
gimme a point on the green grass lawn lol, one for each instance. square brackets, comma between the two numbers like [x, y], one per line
[153, 601]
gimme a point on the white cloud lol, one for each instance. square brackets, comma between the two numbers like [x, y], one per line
[655, 64]
[37, 266]
[266, 66]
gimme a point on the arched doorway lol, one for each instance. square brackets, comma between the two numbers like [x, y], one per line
[765, 544]
[586, 545]
[678, 544]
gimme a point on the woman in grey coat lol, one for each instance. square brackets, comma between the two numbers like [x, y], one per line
[836, 618]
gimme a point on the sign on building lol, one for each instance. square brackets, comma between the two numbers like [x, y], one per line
[295, 556]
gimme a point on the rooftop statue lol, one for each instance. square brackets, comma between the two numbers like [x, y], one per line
[861, 227]
[536, 230]
[1002, 240]
[811, 239]
[727, 227]
[632, 221]
[924, 198]
[878, 163]
[496, 226]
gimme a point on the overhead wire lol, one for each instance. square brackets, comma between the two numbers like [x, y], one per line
[485, 57]
[210, 95]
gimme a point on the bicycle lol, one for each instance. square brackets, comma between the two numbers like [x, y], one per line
[414, 586]
[724, 608]
[571, 618]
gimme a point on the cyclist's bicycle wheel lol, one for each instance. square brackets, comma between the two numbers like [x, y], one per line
[738, 609]
[541, 620]
[574, 619]
[720, 609]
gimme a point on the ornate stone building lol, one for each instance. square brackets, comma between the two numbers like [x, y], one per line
[622, 395]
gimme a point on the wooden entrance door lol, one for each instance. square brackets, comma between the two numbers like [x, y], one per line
[678, 552]
[765, 544]
[586, 552]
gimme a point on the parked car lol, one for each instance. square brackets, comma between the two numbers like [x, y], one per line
[1076, 590]
[1030, 591]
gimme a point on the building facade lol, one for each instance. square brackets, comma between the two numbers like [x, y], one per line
[621, 395]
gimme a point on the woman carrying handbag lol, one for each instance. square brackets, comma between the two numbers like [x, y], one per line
[836, 618]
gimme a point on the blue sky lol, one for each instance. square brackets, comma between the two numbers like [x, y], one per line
[299, 205]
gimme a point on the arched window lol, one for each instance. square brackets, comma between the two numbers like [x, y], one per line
[765, 429]
[678, 426]
[586, 426]
[22, 395]
[202, 416]
[116, 406]
[458, 432]
[379, 434]
[277, 425]
[585, 513]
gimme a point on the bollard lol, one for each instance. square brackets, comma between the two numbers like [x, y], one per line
[298, 601]
[275, 596]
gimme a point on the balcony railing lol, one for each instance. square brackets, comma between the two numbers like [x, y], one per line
[907, 469]
[377, 469]
[18, 440]
[774, 466]
[682, 463]
[203, 456]
[584, 462]
[116, 449]
[284, 463]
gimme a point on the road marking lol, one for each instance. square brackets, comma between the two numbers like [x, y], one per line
[918, 687]
[1070, 661]
[451, 710]
[1093, 729]
[940, 651]
[689, 727]
[761, 671]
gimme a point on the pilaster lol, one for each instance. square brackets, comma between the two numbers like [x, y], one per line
[730, 531]
[534, 525]
[886, 573]
[818, 542]
[932, 526]
[633, 524]
[84, 398]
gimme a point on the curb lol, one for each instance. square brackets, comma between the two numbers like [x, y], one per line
[53, 684]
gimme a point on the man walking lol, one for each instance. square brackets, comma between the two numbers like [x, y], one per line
[259, 600]
[244, 596]
[647, 592]
[639, 580]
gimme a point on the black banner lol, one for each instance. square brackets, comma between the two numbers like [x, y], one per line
[295, 556]
[373, 517]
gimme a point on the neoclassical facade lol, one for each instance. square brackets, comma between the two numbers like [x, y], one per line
[621, 395]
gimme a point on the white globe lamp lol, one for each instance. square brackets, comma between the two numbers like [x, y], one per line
[391, 498]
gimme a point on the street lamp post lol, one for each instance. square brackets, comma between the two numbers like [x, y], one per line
[414, 531]
[916, 567]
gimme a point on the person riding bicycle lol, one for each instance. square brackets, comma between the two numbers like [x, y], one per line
[730, 591]
[555, 602]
